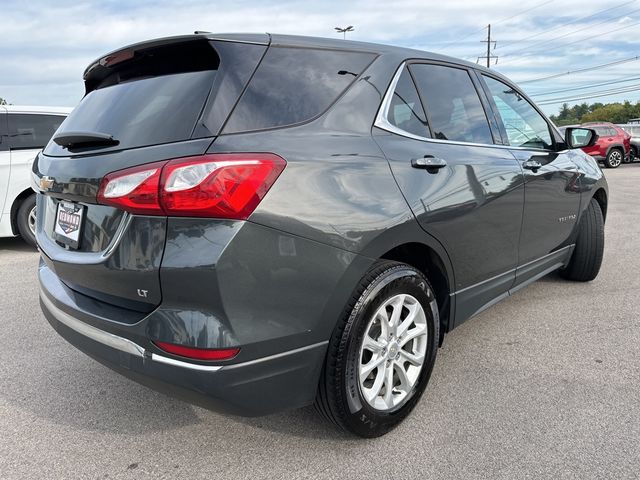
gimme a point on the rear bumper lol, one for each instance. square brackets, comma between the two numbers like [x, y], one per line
[257, 387]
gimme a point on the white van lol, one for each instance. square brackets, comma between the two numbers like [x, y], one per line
[24, 131]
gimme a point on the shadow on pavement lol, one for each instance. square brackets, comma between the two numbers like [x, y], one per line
[15, 244]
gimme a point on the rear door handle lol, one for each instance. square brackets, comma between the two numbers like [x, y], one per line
[429, 162]
[532, 165]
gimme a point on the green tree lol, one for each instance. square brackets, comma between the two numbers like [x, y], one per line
[597, 112]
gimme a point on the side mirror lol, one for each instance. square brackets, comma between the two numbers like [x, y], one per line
[578, 137]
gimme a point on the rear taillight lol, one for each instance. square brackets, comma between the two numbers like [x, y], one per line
[220, 185]
[198, 353]
[134, 189]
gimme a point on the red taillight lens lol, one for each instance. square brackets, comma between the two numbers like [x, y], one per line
[134, 189]
[220, 185]
[198, 353]
[229, 185]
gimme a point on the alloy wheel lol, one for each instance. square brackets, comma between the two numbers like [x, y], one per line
[393, 352]
[615, 158]
[32, 220]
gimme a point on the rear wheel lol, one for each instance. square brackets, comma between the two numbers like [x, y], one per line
[26, 220]
[614, 158]
[382, 351]
[587, 255]
[634, 154]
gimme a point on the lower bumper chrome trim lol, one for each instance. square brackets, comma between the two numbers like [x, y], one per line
[115, 341]
[106, 338]
[177, 363]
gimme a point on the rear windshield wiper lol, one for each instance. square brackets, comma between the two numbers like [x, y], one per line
[84, 140]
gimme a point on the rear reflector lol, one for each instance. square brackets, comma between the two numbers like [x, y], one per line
[227, 185]
[198, 353]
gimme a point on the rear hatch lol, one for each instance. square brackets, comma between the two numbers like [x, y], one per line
[146, 103]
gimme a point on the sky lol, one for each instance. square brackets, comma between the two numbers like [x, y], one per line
[46, 46]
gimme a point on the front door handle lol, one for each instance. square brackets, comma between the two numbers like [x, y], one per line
[532, 165]
[429, 162]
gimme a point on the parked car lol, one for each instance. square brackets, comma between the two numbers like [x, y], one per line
[23, 132]
[634, 131]
[261, 222]
[613, 146]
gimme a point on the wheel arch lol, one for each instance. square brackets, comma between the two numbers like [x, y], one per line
[15, 206]
[430, 263]
[600, 196]
[617, 146]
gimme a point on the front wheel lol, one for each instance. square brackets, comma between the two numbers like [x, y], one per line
[26, 220]
[382, 351]
[614, 158]
[587, 254]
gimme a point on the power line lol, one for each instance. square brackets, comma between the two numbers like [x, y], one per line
[565, 24]
[585, 87]
[500, 21]
[590, 26]
[603, 93]
[581, 70]
[524, 11]
[591, 37]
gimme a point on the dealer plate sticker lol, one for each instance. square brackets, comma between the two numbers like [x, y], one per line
[69, 222]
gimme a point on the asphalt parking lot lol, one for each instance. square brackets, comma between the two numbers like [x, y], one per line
[546, 384]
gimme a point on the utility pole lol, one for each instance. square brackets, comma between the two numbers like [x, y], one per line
[488, 41]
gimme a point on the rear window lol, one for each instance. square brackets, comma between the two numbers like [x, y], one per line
[32, 131]
[144, 112]
[146, 96]
[294, 85]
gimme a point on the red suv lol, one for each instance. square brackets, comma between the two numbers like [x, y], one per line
[613, 146]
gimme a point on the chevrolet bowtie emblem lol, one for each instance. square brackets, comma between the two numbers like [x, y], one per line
[46, 183]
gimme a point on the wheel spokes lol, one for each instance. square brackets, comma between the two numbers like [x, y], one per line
[366, 369]
[413, 359]
[374, 391]
[388, 386]
[415, 332]
[392, 352]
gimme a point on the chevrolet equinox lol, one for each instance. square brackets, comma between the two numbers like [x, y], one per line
[256, 223]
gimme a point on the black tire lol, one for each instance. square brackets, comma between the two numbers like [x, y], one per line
[339, 397]
[587, 255]
[614, 159]
[633, 155]
[22, 219]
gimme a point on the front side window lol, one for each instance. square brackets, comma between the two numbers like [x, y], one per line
[524, 125]
[453, 107]
[405, 109]
[32, 131]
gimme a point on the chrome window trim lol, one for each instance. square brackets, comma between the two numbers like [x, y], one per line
[382, 123]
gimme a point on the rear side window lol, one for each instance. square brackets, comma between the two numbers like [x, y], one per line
[405, 109]
[453, 107]
[293, 85]
[4, 139]
[31, 131]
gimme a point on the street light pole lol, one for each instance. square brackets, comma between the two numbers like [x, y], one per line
[344, 31]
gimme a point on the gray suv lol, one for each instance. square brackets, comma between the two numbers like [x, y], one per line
[261, 222]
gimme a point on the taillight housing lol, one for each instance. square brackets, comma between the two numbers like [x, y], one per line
[219, 185]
